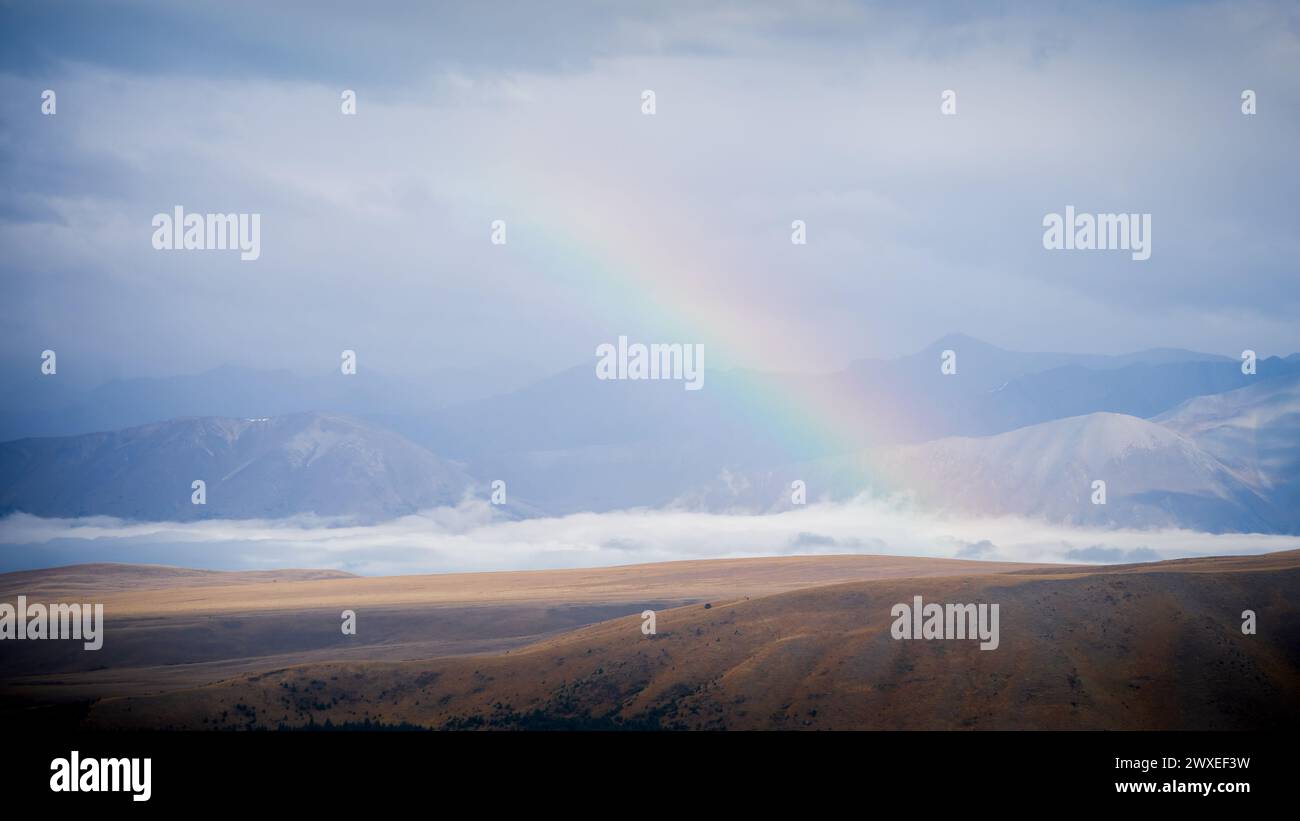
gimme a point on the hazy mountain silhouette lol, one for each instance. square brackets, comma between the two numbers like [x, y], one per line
[572, 442]
[1223, 463]
[301, 463]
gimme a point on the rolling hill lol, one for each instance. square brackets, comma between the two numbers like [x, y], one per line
[170, 628]
[1155, 646]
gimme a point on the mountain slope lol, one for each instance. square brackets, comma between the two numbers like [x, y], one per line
[34, 405]
[1139, 647]
[172, 628]
[572, 442]
[301, 463]
[1139, 389]
[1155, 477]
[1254, 430]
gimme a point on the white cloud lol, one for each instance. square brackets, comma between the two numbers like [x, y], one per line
[472, 537]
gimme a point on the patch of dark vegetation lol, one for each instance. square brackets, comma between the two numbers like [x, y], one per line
[546, 720]
[366, 726]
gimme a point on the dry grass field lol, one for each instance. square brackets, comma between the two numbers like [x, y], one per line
[788, 643]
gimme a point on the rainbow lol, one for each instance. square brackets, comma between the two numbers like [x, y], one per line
[646, 279]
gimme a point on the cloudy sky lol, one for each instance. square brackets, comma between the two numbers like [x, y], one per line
[671, 227]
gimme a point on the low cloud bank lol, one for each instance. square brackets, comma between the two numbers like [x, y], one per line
[473, 536]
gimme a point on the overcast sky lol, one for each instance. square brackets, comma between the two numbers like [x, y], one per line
[673, 227]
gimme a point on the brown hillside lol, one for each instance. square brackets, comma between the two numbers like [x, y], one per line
[1136, 647]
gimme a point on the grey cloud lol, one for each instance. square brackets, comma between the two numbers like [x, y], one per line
[812, 540]
[982, 549]
[1112, 555]
[375, 226]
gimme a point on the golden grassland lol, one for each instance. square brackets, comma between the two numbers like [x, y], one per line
[789, 643]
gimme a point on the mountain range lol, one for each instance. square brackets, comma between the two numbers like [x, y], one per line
[327, 464]
[1180, 438]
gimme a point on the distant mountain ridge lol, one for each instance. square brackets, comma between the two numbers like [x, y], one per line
[38, 405]
[1256, 432]
[1154, 477]
[1223, 463]
[572, 443]
[327, 464]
